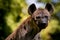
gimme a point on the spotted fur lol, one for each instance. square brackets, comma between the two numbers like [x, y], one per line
[33, 24]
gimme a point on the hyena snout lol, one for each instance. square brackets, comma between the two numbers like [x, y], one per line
[42, 20]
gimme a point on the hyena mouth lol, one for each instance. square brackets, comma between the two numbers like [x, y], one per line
[42, 25]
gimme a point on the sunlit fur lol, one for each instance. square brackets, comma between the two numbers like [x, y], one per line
[32, 25]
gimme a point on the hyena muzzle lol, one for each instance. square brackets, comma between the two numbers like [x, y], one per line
[37, 20]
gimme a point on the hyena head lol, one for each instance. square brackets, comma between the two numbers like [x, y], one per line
[41, 16]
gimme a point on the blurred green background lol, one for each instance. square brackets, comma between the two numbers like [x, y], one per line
[14, 12]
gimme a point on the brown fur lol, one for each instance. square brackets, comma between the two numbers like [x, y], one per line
[29, 28]
[21, 31]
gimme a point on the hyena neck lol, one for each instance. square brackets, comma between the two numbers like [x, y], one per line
[34, 30]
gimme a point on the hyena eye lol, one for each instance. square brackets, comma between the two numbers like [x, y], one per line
[46, 16]
[24, 27]
[37, 17]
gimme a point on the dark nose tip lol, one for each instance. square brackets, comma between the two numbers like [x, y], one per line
[43, 23]
[37, 17]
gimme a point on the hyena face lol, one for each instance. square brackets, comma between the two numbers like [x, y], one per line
[41, 16]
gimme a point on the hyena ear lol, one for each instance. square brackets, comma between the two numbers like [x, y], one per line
[31, 9]
[49, 7]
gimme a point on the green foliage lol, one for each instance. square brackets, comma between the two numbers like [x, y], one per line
[44, 1]
[12, 14]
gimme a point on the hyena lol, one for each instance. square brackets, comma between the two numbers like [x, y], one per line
[37, 21]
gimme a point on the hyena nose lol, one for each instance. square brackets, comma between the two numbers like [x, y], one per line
[43, 24]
